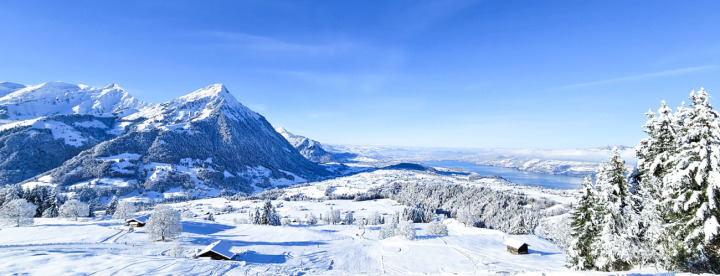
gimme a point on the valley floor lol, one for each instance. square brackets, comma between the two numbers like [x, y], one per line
[103, 246]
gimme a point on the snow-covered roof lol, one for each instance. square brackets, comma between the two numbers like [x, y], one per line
[513, 243]
[219, 247]
[142, 219]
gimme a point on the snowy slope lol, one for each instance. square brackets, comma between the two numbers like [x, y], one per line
[9, 87]
[53, 98]
[103, 246]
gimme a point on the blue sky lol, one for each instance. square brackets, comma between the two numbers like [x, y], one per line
[513, 74]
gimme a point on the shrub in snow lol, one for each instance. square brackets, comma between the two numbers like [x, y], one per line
[437, 228]
[312, 220]
[164, 223]
[285, 222]
[177, 251]
[18, 212]
[406, 229]
[74, 209]
[125, 210]
[240, 221]
[268, 215]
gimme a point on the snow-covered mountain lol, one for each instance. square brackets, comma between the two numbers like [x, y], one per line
[104, 136]
[311, 149]
[52, 98]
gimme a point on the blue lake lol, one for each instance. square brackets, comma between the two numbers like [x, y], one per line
[516, 176]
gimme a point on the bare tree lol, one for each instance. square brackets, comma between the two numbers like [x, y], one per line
[18, 211]
[164, 223]
[125, 210]
[74, 209]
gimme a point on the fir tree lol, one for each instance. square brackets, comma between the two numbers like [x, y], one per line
[580, 253]
[112, 206]
[693, 191]
[655, 157]
[615, 244]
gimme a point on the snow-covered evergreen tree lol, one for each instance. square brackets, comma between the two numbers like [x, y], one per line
[267, 216]
[388, 230]
[18, 212]
[693, 185]
[406, 229]
[375, 218]
[53, 206]
[164, 223]
[580, 253]
[74, 209]
[112, 206]
[616, 244]
[254, 216]
[349, 218]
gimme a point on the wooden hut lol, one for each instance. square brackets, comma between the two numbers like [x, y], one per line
[218, 250]
[136, 222]
[516, 247]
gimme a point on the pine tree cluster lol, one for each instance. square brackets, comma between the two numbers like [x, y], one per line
[665, 214]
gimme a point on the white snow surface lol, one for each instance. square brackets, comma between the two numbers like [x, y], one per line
[103, 246]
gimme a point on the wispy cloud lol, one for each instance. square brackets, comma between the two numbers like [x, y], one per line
[236, 40]
[355, 82]
[425, 14]
[644, 76]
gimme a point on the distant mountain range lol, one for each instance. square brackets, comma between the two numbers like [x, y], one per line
[75, 135]
[313, 150]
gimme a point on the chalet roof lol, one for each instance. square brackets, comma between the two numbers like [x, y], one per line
[513, 243]
[142, 219]
[219, 247]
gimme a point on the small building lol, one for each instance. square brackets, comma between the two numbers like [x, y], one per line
[136, 222]
[515, 246]
[219, 250]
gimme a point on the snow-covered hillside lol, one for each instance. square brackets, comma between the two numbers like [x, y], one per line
[104, 246]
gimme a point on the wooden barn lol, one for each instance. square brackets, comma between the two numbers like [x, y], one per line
[515, 246]
[136, 222]
[218, 250]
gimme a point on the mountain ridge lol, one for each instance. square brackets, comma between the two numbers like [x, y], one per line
[202, 139]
